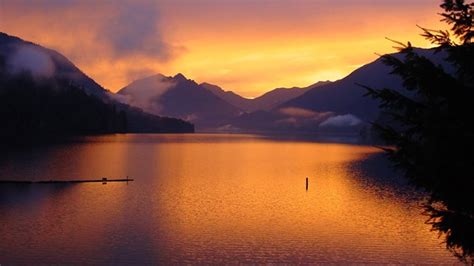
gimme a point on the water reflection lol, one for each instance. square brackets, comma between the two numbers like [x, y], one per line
[202, 198]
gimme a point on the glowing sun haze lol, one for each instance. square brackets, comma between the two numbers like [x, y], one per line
[247, 46]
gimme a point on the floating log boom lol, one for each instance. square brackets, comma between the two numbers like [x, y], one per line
[103, 180]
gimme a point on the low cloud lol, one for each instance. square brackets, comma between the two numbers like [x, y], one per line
[302, 113]
[31, 59]
[126, 99]
[145, 93]
[347, 120]
[298, 112]
[294, 117]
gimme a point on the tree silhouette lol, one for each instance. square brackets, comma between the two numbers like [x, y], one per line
[430, 128]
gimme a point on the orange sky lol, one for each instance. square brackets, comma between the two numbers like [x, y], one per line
[246, 46]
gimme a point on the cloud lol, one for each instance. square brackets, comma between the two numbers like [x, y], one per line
[302, 113]
[298, 112]
[145, 93]
[133, 29]
[139, 72]
[109, 40]
[119, 28]
[299, 118]
[347, 120]
[31, 59]
[257, 43]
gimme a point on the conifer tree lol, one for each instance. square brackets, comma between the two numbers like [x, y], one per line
[430, 132]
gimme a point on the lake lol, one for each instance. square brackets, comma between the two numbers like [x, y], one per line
[211, 198]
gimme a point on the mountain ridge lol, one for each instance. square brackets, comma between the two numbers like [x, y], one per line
[322, 105]
[179, 97]
[339, 106]
[266, 101]
[35, 84]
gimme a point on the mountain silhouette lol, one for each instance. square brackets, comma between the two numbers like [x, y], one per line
[345, 96]
[339, 106]
[324, 106]
[332, 107]
[43, 93]
[180, 97]
[267, 101]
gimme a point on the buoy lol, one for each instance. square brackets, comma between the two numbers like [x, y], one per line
[307, 183]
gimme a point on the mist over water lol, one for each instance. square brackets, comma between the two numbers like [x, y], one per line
[211, 199]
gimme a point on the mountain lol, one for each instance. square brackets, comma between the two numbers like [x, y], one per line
[338, 106]
[267, 101]
[20, 55]
[345, 96]
[236, 100]
[42, 93]
[180, 97]
[278, 96]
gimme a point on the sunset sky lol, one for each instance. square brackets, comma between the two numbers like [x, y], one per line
[248, 46]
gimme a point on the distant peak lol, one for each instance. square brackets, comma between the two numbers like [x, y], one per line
[180, 76]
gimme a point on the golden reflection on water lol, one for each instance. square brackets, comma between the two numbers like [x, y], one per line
[213, 198]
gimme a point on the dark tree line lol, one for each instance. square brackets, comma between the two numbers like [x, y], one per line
[40, 107]
[430, 134]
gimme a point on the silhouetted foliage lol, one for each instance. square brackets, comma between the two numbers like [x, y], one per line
[431, 130]
[30, 107]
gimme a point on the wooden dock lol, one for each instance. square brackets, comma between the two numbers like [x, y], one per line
[103, 181]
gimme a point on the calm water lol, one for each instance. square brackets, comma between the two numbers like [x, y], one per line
[210, 198]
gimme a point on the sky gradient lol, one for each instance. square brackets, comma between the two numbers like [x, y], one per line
[246, 46]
